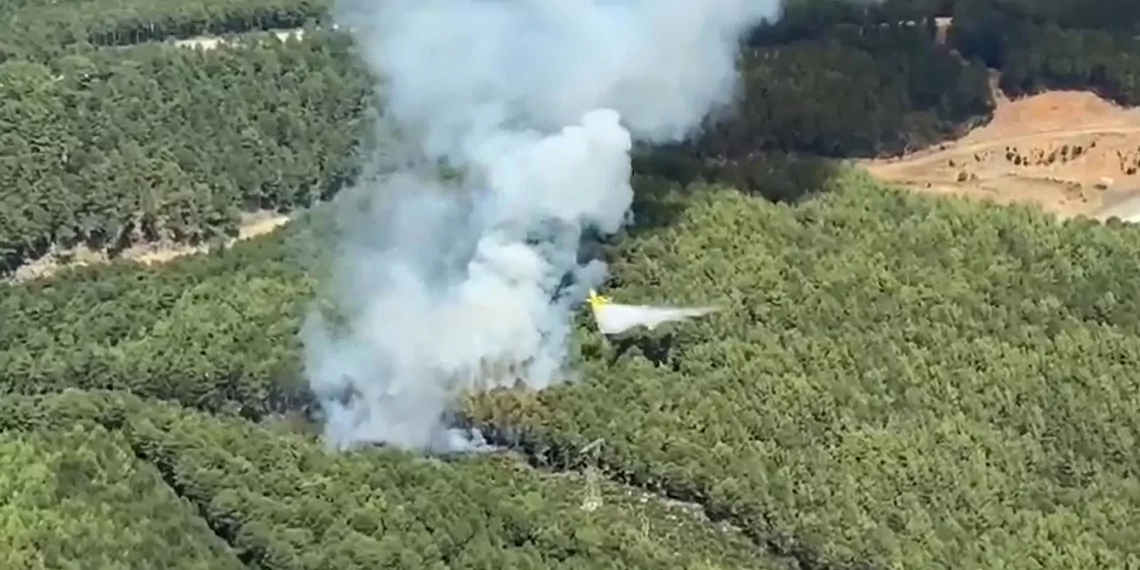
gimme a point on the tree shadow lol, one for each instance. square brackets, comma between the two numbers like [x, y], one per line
[657, 349]
[667, 178]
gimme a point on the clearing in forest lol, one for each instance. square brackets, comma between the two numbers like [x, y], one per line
[1072, 152]
[252, 224]
[212, 42]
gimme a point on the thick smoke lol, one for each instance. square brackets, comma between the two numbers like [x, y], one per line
[447, 286]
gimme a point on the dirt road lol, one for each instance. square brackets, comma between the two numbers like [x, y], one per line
[252, 225]
[212, 42]
[928, 156]
[1128, 210]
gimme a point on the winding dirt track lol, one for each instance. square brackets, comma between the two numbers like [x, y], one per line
[252, 225]
[931, 155]
[212, 42]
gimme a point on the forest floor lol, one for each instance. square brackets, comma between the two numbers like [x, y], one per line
[1071, 152]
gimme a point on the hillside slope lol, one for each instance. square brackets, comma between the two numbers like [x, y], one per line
[1070, 152]
[893, 381]
[277, 501]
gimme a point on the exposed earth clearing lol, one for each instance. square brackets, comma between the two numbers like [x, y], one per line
[212, 42]
[252, 225]
[1069, 151]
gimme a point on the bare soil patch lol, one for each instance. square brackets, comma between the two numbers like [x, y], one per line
[1071, 152]
[252, 225]
[212, 42]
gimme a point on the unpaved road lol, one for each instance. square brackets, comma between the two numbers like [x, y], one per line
[212, 42]
[252, 225]
[928, 156]
[1128, 210]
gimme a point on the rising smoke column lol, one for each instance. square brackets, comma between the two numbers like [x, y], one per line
[447, 286]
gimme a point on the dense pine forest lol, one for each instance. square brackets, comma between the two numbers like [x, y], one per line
[894, 381]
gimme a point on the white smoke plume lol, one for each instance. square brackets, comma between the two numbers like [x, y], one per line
[450, 286]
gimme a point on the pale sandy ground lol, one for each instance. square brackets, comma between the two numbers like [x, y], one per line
[1042, 132]
[212, 42]
[252, 225]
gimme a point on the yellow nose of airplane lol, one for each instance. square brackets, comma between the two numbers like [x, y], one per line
[596, 300]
